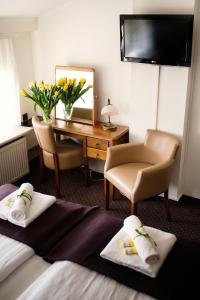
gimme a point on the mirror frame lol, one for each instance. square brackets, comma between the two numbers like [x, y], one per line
[94, 111]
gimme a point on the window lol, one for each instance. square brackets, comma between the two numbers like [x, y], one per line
[9, 88]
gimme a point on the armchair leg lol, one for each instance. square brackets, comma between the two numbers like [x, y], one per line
[133, 208]
[57, 177]
[112, 192]
[166, 202]
[106, 192]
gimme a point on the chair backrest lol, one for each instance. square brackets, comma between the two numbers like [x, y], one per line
[44, 135]
[160, 145]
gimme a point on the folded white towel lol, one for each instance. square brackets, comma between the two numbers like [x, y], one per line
[40, 203]
[145, 245]
[21, 205]
[164, 241]
[5, 206]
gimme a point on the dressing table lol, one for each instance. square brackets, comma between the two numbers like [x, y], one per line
[83, 124]
[95, 139]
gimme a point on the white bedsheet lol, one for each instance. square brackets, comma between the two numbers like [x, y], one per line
[67, 280]
[28, 276]
[22, 277]
[12, 255]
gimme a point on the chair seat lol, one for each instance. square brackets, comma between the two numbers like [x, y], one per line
[70, 155]
[123, 177]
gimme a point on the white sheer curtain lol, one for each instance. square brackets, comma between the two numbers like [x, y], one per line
[9, 87]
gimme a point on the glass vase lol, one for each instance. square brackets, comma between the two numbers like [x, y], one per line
[68, 111]
[47, 117]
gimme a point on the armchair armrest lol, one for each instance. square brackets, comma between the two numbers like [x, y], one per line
[153, 180]
[121, 154]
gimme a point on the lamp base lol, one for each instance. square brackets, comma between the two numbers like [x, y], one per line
[109, 126]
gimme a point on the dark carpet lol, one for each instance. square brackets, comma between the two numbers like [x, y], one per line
[185, 213]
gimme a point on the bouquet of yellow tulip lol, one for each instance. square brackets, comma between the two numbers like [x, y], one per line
[45, 96]
[70, 92]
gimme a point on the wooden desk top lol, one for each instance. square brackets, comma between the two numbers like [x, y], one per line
[96, 131]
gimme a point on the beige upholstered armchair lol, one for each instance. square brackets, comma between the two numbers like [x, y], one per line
[140, 171]
[54, 155]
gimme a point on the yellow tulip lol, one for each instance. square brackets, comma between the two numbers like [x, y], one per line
[83, 80]
[90, 86]
[32, 84]
[56, 93]
[65, 87]
[74, 81]
[23, 93]
[64, 80]
[46, 86]
[42, 85]
[60, 82]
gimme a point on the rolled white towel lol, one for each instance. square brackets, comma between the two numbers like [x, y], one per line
[144, 244]
[22, 202]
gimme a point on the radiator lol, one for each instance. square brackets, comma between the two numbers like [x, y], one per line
[13, 161]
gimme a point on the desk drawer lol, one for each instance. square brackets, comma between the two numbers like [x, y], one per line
[96, 153]
[97, 143]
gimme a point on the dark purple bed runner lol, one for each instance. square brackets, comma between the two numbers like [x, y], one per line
[79, 233]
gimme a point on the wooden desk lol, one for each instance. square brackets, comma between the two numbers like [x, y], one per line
[95, 139]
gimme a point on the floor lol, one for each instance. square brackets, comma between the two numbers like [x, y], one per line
[185, 213]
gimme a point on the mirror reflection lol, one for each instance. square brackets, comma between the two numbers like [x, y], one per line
[83, 108]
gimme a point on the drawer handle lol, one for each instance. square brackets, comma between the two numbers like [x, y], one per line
[97, 145]
[97, 156]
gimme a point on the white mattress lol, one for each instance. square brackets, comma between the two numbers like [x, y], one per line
[36, 279]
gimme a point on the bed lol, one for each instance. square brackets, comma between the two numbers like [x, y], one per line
[59, 267]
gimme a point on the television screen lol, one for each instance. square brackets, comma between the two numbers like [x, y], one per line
[156, 39]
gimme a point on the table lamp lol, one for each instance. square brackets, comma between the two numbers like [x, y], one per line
[109, 110]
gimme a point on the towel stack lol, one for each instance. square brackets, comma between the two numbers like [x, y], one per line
[152, 247]
[24, 205]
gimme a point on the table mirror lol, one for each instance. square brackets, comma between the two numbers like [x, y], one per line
[83, 110]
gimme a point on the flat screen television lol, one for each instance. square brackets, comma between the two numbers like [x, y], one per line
[156, 39]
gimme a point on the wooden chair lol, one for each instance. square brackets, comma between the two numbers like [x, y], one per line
[141, 171]
[54, 155]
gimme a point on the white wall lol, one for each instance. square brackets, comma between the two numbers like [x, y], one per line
[191, 183]
[86, 33]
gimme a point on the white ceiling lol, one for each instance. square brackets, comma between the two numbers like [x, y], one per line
[27, 8]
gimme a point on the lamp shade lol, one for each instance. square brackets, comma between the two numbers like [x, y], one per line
[109, 110]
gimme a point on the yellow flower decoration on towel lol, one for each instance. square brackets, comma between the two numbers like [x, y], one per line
[8, 202]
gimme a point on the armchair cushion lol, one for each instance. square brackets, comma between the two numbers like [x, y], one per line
[124, 176]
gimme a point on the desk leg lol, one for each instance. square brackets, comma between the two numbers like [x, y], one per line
[86, 163]
[87, 175]
[57, 137]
